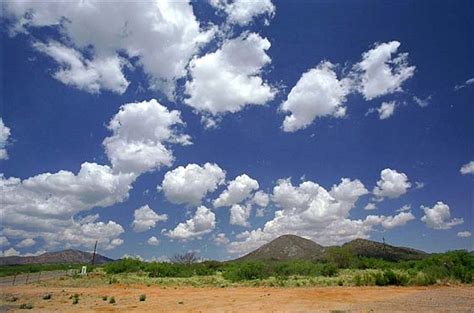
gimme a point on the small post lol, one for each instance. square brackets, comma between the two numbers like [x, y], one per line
[27, 276]
[14, 279]
[93, 255]
[39, 275]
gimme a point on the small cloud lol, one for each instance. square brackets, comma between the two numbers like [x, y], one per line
[464, 234]
[422, 102]
[370, 206]
[468, 82]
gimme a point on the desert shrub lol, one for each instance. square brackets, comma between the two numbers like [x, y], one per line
[127, 265]
[112, 300]
[104, 298]
[26, 306]
[142, 297]
[46, 296]
[246, 271]
[422, 279]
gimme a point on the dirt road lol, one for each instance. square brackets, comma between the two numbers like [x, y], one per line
[323, 299]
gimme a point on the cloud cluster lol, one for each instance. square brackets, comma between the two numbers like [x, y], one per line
[159, 36]
[4, 135]
[47, 205]
[229, 79]
[145, 219]
[190, 184]
[439, 217]
[312, 211]
[320, 92]
[203, 222]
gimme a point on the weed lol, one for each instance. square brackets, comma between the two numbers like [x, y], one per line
[112, 300]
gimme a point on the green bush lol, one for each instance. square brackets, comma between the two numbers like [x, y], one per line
[112, 300]
[246, 271]
[46, 296]
[142, 297]
[329, 270]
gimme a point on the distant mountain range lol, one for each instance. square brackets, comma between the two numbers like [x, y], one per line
[66, 256]
[291, 247]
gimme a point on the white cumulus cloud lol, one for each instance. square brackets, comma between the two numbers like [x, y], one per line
[142, 132]
[190, 184]
[243, 12]
[238, 190]
[439, 217]
[229, 79]
[203, 222]
[392, 184]
[239, 214]
[317, 93]
[382, 71]
[145, 219]
[153, 241]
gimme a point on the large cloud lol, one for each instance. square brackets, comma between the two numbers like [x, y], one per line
[190, 184]
[229, 79]
[4, 135]
[382, 71]
[317, 93]
[141, 133]
[145, 219]
[161, 35]
[238, 190]
[243, 12]
[392, 184]
[439, 217]
[203, 222]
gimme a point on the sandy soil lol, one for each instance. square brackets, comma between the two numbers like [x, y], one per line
[243, 299]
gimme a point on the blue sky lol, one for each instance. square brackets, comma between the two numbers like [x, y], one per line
[219, 126]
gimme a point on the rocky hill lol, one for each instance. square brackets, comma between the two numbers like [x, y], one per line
[67, 256]
[291, 247]
[286, 247]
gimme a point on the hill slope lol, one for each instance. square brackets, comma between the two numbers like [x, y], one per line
[291, 247]
[374, 249]
[67, 256]
[286, 247]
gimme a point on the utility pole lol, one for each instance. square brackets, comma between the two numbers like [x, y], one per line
[93, 255]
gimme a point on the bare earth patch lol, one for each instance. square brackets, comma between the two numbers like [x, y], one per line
[243, 299]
